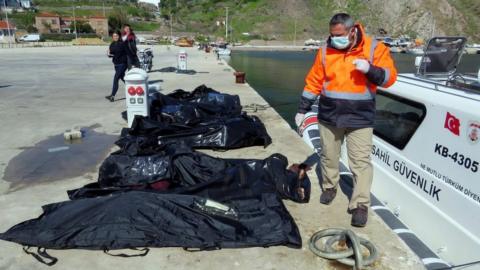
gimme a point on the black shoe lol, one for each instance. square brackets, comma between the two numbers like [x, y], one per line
[111, 98]
[359, 216]
[328, 195]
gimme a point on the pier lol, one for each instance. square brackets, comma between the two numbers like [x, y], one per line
[46, 91]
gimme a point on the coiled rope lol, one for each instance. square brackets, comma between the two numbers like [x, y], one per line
[352, 256]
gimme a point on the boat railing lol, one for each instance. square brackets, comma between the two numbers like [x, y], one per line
[439, 84]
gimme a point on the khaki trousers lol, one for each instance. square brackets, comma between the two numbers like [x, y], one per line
[359, 147]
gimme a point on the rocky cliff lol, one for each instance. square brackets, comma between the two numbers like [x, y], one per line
[303, 19]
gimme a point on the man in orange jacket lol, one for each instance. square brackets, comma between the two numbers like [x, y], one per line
[345, 77]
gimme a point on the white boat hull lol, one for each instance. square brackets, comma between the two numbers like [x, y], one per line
[435, 197]
[415, 51]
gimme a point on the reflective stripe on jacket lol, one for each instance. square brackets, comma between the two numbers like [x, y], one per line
[347, 96]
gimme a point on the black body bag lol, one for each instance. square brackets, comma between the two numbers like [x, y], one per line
[216, 133]
[148, 219]
[179, 170]
[184, 107]
[216, 101]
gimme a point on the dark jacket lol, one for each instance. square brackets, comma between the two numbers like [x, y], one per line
[131, 45]
[118, 52]
[131, 48]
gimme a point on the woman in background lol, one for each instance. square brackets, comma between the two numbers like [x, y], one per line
[130, 41]
[118, 52]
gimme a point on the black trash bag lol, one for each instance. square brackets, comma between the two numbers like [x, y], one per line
[219, 133]
[148, 219]
[195, 173]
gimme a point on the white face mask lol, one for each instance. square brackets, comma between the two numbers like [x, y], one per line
[341, 42]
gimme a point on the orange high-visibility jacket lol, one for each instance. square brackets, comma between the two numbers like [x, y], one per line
[347, 96]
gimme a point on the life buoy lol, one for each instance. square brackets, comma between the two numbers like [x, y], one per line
[309, 129]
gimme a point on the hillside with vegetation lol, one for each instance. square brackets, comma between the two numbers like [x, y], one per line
[141, 16]
[284, 20]
[303, 19]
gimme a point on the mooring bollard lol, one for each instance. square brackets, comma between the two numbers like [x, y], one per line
[239, 77]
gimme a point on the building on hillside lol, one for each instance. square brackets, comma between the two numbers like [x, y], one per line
[17, 5]
[53, 23]
[7, 32]
[46, 22]
[153, 2]
[67, 22]
[99, 25]
[27, 4]
[10, 4]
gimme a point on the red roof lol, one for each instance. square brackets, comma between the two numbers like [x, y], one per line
[4, 25]
[47, 14]
[71, 19]
[97, 17]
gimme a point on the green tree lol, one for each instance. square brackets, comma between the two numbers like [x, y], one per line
[117, 19]
[168, 7]
[24, 20]
[82, 27]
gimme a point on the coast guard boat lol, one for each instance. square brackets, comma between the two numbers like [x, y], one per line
[426, 157]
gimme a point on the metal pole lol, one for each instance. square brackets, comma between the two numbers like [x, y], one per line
[8, 24]
[295, 33]
[226, 25]
[74, 23]
[171, 29]
[433, 29]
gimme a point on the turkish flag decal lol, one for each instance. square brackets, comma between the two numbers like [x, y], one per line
[452, 123]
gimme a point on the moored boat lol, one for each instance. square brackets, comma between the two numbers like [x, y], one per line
[426, 157]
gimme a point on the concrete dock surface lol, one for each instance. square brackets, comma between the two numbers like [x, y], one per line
[46, 91]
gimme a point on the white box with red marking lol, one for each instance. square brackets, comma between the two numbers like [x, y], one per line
[182, 60]
[136, 93]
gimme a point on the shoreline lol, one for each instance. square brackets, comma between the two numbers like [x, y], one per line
[274, 48]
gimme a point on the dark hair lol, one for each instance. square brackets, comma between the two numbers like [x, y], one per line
[342, 18]
[131, 30]
[117, 32]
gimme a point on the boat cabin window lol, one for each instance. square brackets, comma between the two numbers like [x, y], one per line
[397, 118]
